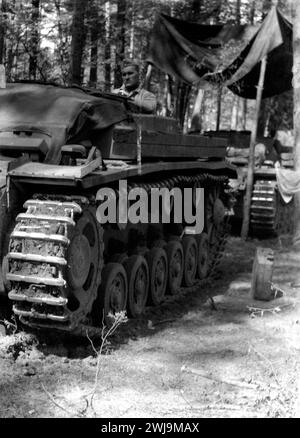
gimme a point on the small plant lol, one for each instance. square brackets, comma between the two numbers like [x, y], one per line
[116, 320]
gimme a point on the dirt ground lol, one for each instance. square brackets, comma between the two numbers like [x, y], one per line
[188, 359]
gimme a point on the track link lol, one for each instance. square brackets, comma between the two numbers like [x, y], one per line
[263, 218]
[38, 261]
[269, 214]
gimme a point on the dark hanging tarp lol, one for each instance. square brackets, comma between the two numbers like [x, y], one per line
[225, 54]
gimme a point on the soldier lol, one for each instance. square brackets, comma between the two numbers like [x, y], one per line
[143, 100]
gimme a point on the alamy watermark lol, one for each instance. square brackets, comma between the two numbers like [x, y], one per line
[161, 205]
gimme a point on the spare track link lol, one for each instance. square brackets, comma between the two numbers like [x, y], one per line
[36, 261]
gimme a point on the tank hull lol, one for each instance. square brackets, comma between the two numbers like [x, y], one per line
[64, 267]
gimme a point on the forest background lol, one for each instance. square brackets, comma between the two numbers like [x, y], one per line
[83, 42]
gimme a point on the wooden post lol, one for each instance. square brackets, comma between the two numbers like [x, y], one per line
[251, 163]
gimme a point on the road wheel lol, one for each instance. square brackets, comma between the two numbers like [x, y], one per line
[158, 273]
[113, 291]
[203, 255]
[138, 284]
[190, 252]
[175, 266]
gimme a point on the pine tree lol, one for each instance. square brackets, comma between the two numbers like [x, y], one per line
[78, 40]
[3, 10]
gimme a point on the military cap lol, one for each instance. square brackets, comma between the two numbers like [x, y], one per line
[131, 63]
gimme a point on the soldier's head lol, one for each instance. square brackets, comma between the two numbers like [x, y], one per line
[130, 74]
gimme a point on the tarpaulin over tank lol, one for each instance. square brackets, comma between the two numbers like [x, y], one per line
[225, 54]
[61, 114]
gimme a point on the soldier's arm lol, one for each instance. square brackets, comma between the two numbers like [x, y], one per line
[146, 101]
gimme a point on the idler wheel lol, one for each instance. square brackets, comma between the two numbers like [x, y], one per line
[203, 255]
[138, 284]
[190, 252]
[175, 266]
[84, 259]
[113, 291]
[79, 257]
[158, 273]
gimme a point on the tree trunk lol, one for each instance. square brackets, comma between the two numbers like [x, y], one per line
[238, 11]
[78, 40]
[196, 122]
[148, 77]
[12, 44]
[167, 109]
[186, 106]
[120, 40]
[244, 115]
[94, 29]
[3, 19]
[182, 102]
[296, 86]
[61, 45]
[12, 49]
[235, 115]
[132, 30]
[252, 12]
[237, 119]
[219, 104]
[195, 10]
[34, 39]
[234, 112]
[107, 48]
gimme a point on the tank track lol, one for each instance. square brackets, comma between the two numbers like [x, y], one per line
[263, 207]
[269, 215]
[37, 260]
[218, 249]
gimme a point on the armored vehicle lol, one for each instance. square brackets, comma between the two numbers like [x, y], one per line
[62, 267]
[269, 215]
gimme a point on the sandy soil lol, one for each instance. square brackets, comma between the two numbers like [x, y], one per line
[188, 359]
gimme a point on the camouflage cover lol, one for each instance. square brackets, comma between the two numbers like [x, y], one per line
[60, 115]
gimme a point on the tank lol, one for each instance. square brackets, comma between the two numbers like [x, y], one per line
[269, 215]
[67, 264]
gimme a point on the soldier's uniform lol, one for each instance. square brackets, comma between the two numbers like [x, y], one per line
[143, 99]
